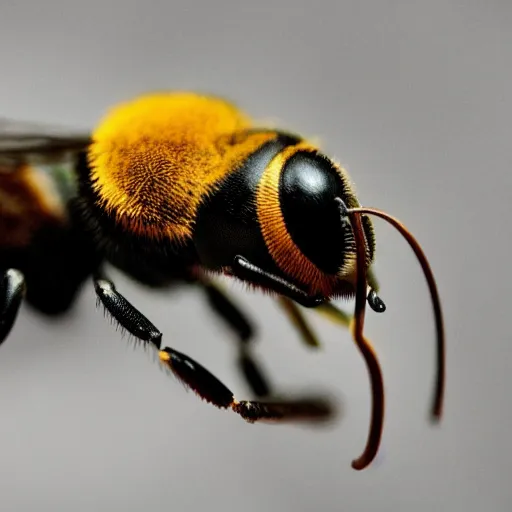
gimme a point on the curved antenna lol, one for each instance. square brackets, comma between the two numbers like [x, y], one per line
[372, 363]
[437, 403]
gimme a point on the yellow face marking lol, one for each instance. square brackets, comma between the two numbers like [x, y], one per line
[282, 248]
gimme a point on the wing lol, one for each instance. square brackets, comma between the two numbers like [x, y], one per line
[22, 141]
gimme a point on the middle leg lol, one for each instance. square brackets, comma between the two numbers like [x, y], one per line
[228, 311]
[242, 327]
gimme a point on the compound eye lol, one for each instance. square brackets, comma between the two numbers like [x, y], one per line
[308, 188]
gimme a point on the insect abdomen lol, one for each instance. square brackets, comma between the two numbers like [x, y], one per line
[32, 197]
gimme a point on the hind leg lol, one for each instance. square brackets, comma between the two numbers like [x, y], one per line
[48, 273]
[12, 290]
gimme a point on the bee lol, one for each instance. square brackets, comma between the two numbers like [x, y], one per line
[182, 187]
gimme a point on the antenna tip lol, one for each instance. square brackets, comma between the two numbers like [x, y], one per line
[436, 416]
[358, 465]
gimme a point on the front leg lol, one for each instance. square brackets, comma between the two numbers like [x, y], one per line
[198, 378]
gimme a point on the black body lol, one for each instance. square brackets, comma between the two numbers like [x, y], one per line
[51, 271]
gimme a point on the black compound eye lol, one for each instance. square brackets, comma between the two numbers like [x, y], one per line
[308, 187]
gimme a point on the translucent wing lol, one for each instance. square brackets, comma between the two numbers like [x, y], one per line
[21, 141]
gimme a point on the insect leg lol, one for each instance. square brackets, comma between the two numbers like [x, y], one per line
[240, 324]
[299, 321]
[334, 314]
[198, 378]
[127, 315]
[12, 291]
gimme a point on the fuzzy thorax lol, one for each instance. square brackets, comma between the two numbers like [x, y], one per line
[155, 158]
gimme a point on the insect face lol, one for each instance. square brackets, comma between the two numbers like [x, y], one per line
[311, 243]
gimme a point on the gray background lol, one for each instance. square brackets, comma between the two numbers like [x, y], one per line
[414, 99]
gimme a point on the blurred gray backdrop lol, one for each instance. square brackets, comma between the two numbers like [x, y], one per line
[414, 98]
